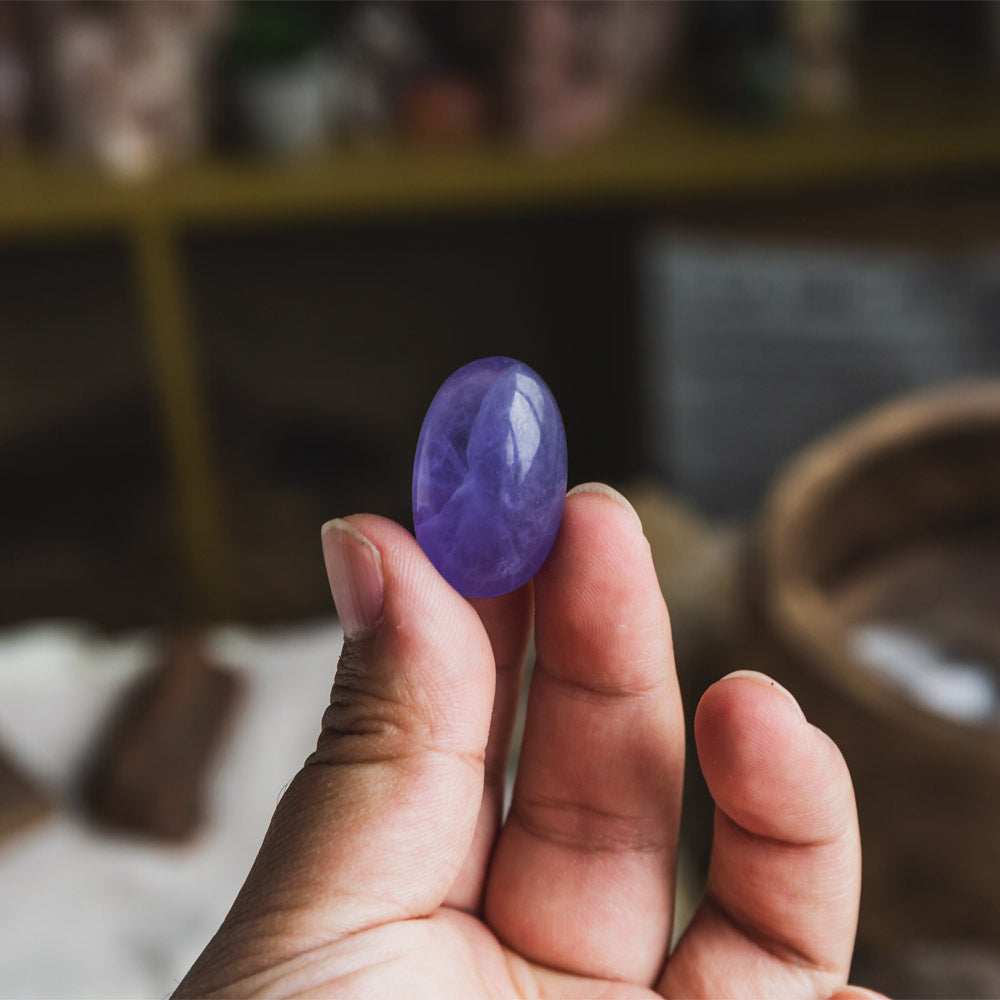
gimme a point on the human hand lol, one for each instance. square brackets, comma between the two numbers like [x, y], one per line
[387, 870]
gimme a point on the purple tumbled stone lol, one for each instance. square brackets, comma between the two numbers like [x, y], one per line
[489, 477]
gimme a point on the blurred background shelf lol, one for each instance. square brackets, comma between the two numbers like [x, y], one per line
[577, 211]
[269, 329]
[655, 157]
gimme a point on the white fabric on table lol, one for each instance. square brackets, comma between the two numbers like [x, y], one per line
[84, 914]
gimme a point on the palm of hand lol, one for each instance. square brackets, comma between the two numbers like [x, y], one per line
[387, 870]
[450, 956]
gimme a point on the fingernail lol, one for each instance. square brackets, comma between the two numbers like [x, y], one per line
[758, 678]
[606, 491]
[354, 567]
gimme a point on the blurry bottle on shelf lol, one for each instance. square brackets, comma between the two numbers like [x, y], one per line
[444, 107]
[574, 70]
[993, 38]
[821, 34]
[305, 74]
[738, 59]
[14, 86]
[127, 81]
[456, 95]
[379, 50]
[278, 77]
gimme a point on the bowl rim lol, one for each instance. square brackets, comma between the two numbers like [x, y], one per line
[794, 604]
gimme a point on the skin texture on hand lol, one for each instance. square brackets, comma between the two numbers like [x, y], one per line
[387, 872]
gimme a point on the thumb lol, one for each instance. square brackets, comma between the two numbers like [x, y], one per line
[376, 825]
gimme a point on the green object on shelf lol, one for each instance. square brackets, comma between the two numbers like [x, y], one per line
[269, 34]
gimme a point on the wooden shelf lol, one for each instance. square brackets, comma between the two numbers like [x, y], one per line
[662, 155]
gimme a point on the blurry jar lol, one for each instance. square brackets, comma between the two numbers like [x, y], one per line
[300, 80]
[128, 80]
[13, 80]
[574, 70]
[283, 109]
[279, 77]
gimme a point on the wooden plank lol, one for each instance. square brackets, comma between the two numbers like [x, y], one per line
[658, 155]
[178, 380]
[22, 802]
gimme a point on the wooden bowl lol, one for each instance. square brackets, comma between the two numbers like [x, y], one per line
[894, 522]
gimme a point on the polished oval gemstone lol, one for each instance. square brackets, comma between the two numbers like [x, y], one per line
[489, 477]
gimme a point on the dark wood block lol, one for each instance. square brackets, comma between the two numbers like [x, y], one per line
[22, 802]
[149, 772]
